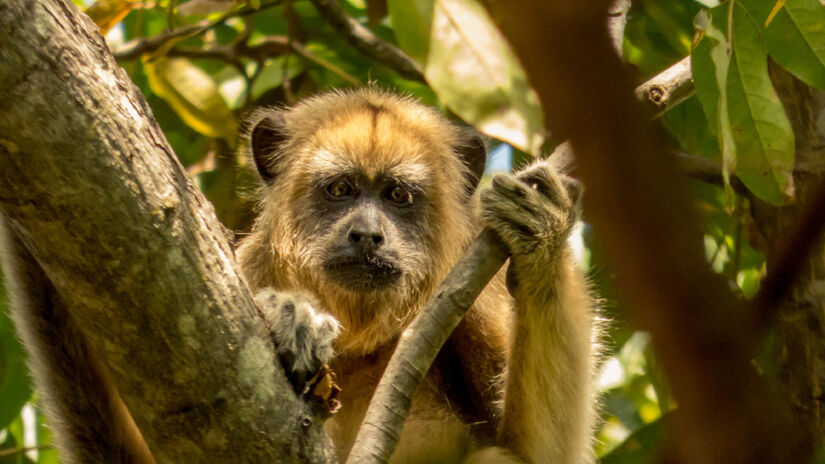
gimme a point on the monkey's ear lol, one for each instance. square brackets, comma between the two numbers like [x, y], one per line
[474, 154]
[265, 140]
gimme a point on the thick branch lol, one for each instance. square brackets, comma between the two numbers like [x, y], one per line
[366, 42]
[134, 249]
[639, 208]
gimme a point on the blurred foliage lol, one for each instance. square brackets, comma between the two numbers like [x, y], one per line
[204, 64]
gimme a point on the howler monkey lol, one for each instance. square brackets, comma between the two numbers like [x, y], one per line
[368, 202]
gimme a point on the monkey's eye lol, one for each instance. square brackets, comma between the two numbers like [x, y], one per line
[399, 195]
[340, 189]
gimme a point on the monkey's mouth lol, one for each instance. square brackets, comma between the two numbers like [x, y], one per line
[363, 274]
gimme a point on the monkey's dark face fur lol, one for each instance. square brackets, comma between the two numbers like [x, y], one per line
[367, 225]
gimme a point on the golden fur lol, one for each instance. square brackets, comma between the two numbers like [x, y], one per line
[478, 402]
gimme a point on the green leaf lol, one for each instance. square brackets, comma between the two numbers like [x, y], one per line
[710, 61]
[748, 281]
[47, 454]
[658, 34]
[272, 74]
[15, 388]
[761, 131]
[688, 124]
[471, 68]
[193, 95]
[795, 36]
[411, 22]
[732, 82]
[640, 447]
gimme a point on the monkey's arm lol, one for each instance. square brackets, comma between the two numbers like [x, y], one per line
[549, 400]
[91, 422]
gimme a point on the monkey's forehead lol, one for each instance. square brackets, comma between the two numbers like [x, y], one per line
[378, 143]
[325, 163]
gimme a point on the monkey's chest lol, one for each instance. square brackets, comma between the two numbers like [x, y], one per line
[433, 433]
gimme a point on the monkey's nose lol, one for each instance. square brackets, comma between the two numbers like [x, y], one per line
[366, 240]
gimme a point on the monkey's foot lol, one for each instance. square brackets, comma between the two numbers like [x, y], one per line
[302, 334]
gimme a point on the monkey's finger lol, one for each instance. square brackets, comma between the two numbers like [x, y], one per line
[325, 331]
[508, 217]
[541, 178]
[516, 191]
[518, 203]
[545, 214]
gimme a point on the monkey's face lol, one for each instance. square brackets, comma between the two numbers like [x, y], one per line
[368, 191]
[369, 229]
[365, 204]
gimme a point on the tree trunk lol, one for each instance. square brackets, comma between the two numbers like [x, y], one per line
[798, 352]
[93, 189]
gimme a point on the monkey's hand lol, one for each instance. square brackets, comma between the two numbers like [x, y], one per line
[302, 334]
[533, 211]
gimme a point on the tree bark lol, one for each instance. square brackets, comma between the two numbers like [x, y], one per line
[798, 354]
[96, 194]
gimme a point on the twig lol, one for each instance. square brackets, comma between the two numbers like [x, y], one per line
[667, 89]
[707, 170]
[306, 54]
[366, 42]
[267, 48]
[138, 47]
[12, 451]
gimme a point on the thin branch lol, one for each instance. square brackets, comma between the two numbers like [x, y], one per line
[668, 88]
[138, 47]
[419, 346]
[12, 451]
[707, 170]
[269, 47]
[366, 42]
[306, 54]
